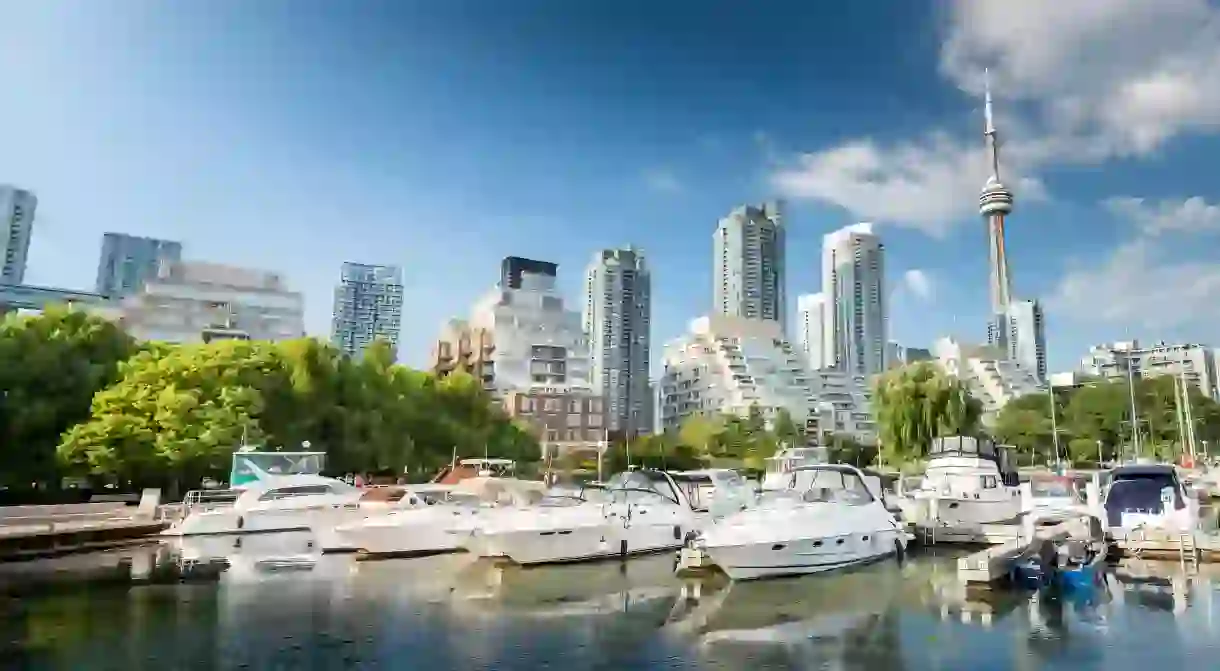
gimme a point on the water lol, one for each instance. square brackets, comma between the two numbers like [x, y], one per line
[272, 604]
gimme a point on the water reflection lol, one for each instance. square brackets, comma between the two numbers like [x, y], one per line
[273, 601]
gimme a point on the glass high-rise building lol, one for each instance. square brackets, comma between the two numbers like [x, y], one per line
[854, 324]
[749, 264]
[127, 262]
[368, 306]
[617, 316]
[16, 222]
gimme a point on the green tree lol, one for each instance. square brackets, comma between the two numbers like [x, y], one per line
[787, 433]
[177, 413]
[51, 365]
[1025, 423]
[919, 402]
[845, 449]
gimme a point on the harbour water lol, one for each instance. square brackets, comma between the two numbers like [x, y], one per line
[269, 602]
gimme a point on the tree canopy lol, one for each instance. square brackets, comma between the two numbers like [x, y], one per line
[78, 396]
[51, 365]
[1094, 421]
[916, 403]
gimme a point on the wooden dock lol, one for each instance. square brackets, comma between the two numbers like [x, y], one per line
[28, 532]
[1160, 544]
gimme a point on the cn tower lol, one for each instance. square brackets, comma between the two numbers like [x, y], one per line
[995, 203]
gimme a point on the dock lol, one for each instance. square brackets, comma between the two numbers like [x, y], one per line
[28, 532]
[995, 563]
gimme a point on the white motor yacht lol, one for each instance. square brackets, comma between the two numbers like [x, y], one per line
[828, 518]
[968, 482]
[647, 511]
[444, 521]
[271, 503]
[376, 502]
[779, 468]
[1149, 496]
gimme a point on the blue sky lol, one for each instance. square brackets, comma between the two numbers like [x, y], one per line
[296, 134]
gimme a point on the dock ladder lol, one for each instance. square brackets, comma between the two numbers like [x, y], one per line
[1189, 549]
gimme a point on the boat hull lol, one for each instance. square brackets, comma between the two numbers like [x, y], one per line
[955, 511]
[779, 558]
[226, 522]
[577, 543]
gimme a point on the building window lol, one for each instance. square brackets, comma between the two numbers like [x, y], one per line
[594, 420]
[574, 420]
[551, 405]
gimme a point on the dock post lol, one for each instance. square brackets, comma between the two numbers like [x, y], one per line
[1092, 499]
[933, 515]
[1027, 496]
[1028, 528]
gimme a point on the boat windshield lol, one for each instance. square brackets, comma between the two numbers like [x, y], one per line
[639, 487]
[825, 485]
[1052, 489]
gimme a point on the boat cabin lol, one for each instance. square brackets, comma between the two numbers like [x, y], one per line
[969, 463]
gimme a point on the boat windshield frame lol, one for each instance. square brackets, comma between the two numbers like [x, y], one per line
[844, 472]
[653, 477]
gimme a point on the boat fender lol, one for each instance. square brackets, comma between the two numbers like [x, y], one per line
[241, 521]
[900, 551]
[677, 532]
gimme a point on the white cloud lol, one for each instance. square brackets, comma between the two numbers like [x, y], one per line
[1141, 285]
[1193, 215]
[1150, 281]
[919, 283]
[1124, 76]
[1101, 78]
[662, 180]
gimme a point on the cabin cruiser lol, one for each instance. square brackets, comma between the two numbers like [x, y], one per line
[443, 523]
[968, 481]
[779, 468]
[1150, 495]
[646, 511]
[271, 503]
[828, 518]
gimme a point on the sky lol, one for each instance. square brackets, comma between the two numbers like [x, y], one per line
[294, 135]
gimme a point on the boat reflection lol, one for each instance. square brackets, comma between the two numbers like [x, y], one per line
[810, 621]
[491, 589]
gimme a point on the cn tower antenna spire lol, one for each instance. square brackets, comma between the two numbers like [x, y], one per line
[993, 145]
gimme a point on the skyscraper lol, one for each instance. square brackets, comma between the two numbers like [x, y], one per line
[1027, 336]
[512, 268]
[810, 318]
[995, 203]
[16, 221]
[127, 262]
[749, 257]
[855, 317]
[368, 305]
[617, 318]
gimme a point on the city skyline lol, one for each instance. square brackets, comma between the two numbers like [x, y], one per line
[261, 153]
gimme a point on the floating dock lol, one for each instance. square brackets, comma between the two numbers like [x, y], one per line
[28, 532]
